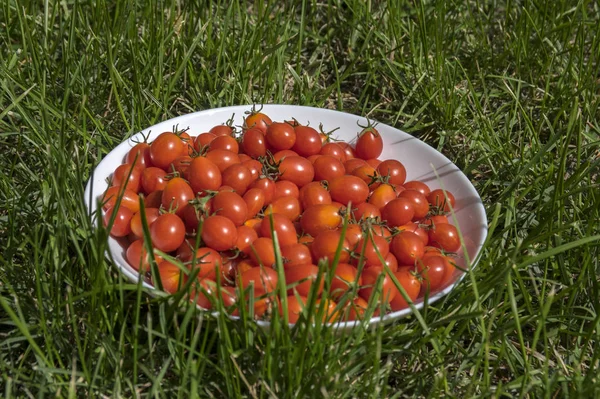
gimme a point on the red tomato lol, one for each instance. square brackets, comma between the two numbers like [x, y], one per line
[326, 244]
[398, 212]
[313, 158]
[308, 141]
[349, 189]
[171, 276]
[167, 232]
[223, 158]
[357, 308]
[207, 293]
[353, 234]
[407, 247]
[433, 271]
[231, 205]
[369, 144]
[345, 277]
[314, 193]
[286, 188]
[417, 185]
[364, 211]
[139, 155]
[288, 206]
[122, 221]
[208, 262]
[262, 252]
[418, 201]
[295, 306]
[433, 220]
[418, 230]
[136, 221]
[222, 130]
[268, 186]
[390, 261]
[334, 150]
[280, 136]
[264, 279]
[437, 199]
[411, 284]
[188, 144]
[351, 164]
[382, 195]
[219, 232]
[319, 218]
[281, 226]
[153, 179]
[153, 200]
[129, 199]
[371, 249]
[328, 168]
[296, 169]
[139, 258]
[204, 175]
[165, 149]
[368, 174]
[176, 195]
[393, 170]
[301, 278]
[245, 237]
[127, 175]
[280, 155]
[255, 200]
[254, 166]
[257, 120]
[373, 162]
[227, 143]
[348, 150]
[238, 177]
[296, 254]
[372, 283]
[444, 236]
[181, 165]
[254, 143]
[203, 141]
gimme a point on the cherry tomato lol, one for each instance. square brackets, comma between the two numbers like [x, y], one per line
[364, 211]
[222, 130]
[136, 221]
[351, 164]
[181, 165]
[353, 234]
[203, 141]
[313, 158]
[348, 150]
[288, 206]
[280, 155]
[139, 155]
[301, 279]
[209, 263]
[348, 189]
[245, 237]
[368, 174]
[418, 230]
[328, 168]
[286, 188]
[219, 233]
[153, 200]
[207, 292]
[243, 158]
[418, 201]
[171, 276]
[371, 249]
[411, 284]
[417, 185]
[257, 120]
[264, 279]
[433, 272]
[267, 185]
[176, 195]
[138, 257]
[334, 150]
[254, 223]
[357, 308]
[185, 252]
[231, 205]
[296, 254]
[224, 143]
[296, 169]
[345, 277]
[255, 200]
[314, 193]
[153, 179]
[433, 220]
[397, 212]
[372, 284]
[373, 162]
[437, 199]
[262, 252]
[382, 195]
[280, 136]
[238, 177]
[129, 199]
[407, 247]
[127, 175]
[204, 175]
[444, 236]
[165, 149]
[295, 307]
[188, 144]
[308, 141]
[381, 230]
[390, 261]
[393, 170]
[254, 166]
[281, 226]
[254, 143]
[326, 244]
[122, 221]
[223, 158]
[369, 144]
[167, 232]
[329, 309]
[319, 218]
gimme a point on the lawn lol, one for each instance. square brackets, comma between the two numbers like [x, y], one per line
[510, 91]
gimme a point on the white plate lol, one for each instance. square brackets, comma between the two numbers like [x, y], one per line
[422, 163]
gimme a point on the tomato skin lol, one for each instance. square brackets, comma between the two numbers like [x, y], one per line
[222, 130]
[364, 211]
[288, 206]
[304, 277]
[282, 227]
[257, 120]
[353, 234]
[419, 202]
[136, 221]
[319, 218]
[314, 193]
[129, 199]
[368, 174]
[345, 277]
[245, 237]
[433, 220]
[262, 252]
[254, 223]
[437, 199]
[411, 284]
[390, 261]
[417, 185]
[138, 257]
[308, 141]
[127, 175]
[230, 205]
[264, 278]
[219, 233]
[398, 212]
[205, 294]
[171, 276]
[407, 247]
[433, 272]
[296, 254]
[348, 150]
[357, 308]
[326, 244]
[382, 195]
[223, 158]
[286, 188]
[176, 195]
[418, 230]
[167, 232]
[222, 142]
[153, 200]
[444, 236]
[349, 189]
[153, 179]
[280, 155]
[369, 279]
[203, 175]
[328, 168]
[334, 150]
[254, 166]
[297, 169]
[369, 144]
[254, 143]
[255, 200]
[164, 149]
[122, 222]
[238, 177]
[203, 141]
[280, 136]
[372, 246]
[139, 155]
[295, 307]
[394, 169]
[268, 186]
[352, 163]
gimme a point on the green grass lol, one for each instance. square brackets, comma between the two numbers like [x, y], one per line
[508, 90]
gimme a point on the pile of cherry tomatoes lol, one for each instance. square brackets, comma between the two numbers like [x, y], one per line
[233, 210]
